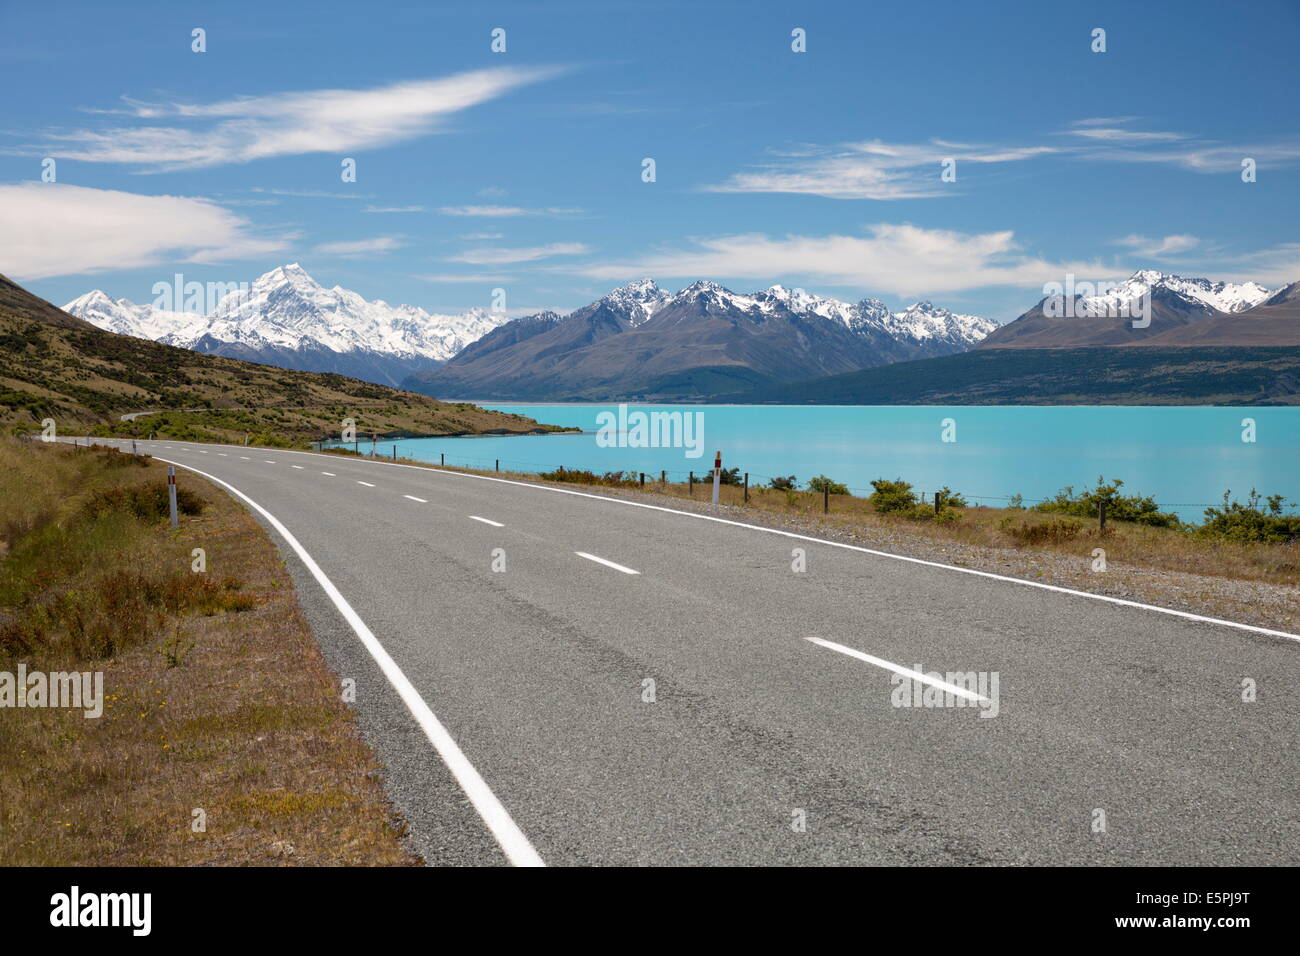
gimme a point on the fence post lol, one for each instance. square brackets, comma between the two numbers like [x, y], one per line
[938, 502]
[1101, 516]
[747, 486]
[663, 477]
[498, 468]
[690, 484]
[717, 475]
[171, 494]
[394, 451]
[826, 498]
[442, 459]
[643, 479]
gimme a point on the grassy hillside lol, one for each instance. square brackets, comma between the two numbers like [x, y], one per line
[53, 365]
[1081, 376]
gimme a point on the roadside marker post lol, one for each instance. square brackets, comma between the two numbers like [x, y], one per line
[171, 494]
[717, 475]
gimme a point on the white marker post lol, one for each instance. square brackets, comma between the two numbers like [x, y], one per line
[717, 475]
[171, 494]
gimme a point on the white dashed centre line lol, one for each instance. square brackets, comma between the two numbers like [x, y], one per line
[244, 457]
[904, 671]
[328, 473]
[608, 564]
[366, 483]
[422, 501]
[495, 524]
[299, 467]
[222, 454]
[268, 461]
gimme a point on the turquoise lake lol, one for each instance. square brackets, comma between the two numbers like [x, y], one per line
[1183, 457]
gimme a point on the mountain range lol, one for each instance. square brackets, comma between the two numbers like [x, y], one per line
[287, 318]
[641, 342]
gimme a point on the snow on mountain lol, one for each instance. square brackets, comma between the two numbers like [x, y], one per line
[288, 313]
[638, 300]
[1217, 296]
[920, 322]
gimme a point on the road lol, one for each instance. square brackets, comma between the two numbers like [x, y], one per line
[644, 686]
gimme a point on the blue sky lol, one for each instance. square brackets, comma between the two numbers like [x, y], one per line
[523, 170]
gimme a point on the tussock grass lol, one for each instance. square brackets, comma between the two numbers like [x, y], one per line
[216, 695]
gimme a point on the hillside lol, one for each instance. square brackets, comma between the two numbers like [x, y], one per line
[1083, 376]
[53, 365]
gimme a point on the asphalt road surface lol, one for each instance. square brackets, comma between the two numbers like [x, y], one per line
[569, 679]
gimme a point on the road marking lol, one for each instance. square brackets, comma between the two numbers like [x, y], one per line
[202, 452]
[222, 454]
[1171, 612]
[495, 524]
[330, 473]
[608, 564]
[366, 483]
[268, 461]
[509, 837]
[244, 457]
[299, 467]
[905, 671]
[413, 498]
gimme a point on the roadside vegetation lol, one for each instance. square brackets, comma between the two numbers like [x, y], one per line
[1257, 539]
[215, 695]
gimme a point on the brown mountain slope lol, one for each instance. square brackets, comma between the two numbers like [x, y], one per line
[1264, 325]
[53, 365]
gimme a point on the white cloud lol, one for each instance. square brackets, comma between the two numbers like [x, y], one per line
[870, 170]
[360, 247]
[482, 236]
[49, 229]
[500, 212]
[1159, 248]
[394, 209]
[898, 259]
[493, 257]
[288, 124]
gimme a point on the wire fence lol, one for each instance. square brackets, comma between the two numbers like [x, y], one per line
[756, 481]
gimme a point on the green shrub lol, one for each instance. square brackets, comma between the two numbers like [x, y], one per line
[1249, 522]
[1118, 507]
[824, 484]
[783, 484]
[892, 496]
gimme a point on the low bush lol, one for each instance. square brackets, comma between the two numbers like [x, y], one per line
[1249, 522]
[1086, 504]
[823, 484]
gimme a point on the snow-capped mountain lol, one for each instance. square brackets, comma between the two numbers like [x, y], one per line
[1148, 305]
[919, 322]
[287, 318]
[640, 341]
[1210, 296]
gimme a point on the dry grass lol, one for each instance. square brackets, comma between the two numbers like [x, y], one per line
[217, 697]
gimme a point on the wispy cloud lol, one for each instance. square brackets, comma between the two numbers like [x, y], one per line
[1113, 140]
[498, 256]
[360, 247]
[1165, 247]
[394, 209]
[506, 212]
[869, 170]
[899, 259]
[49, 229]
[286, 124]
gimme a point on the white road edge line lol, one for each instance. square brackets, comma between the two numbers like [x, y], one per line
[511, 839]
[1185, 615]
[905, 671]
[495, 524]
[423, 501]
[608, 564]
[366, 483]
